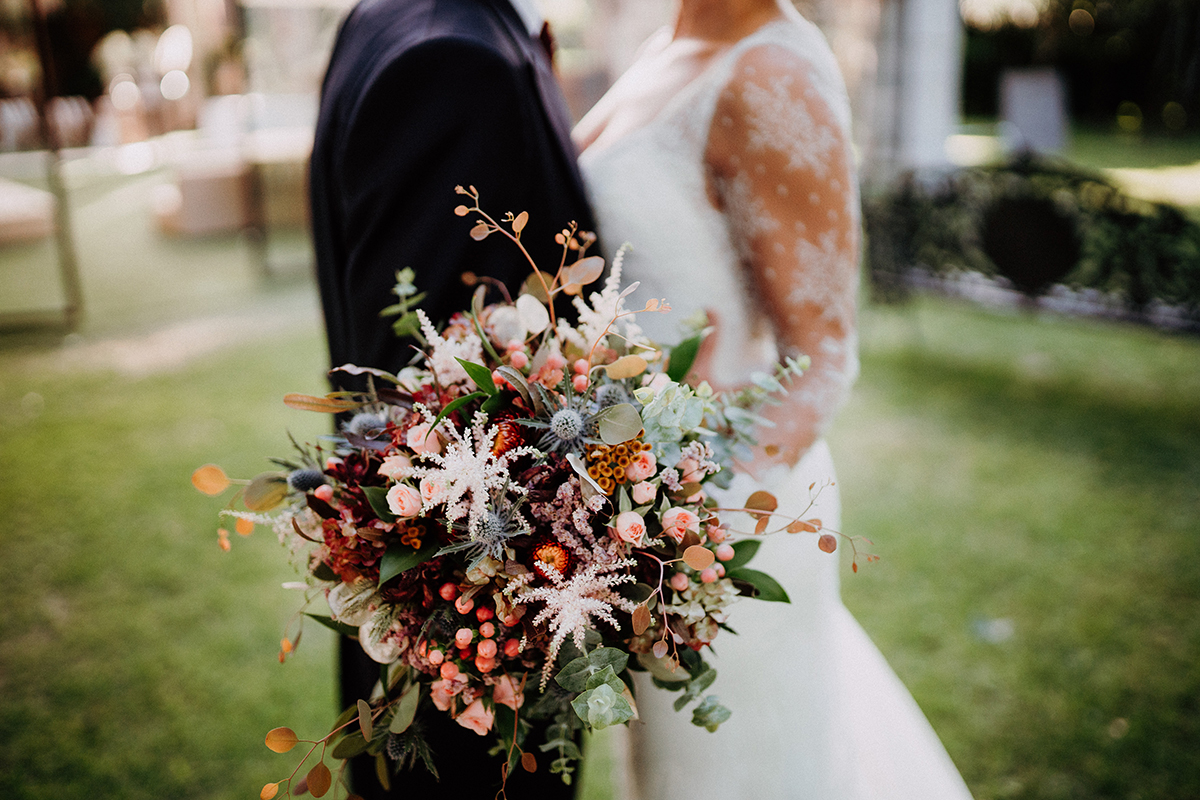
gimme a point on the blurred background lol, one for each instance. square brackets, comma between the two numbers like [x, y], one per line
[1023, 446]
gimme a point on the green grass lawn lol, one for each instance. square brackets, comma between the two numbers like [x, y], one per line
[1032, 485]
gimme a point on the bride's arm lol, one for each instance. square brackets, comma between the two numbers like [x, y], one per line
[781, 171]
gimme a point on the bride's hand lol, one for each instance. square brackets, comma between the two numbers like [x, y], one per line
[792, 433]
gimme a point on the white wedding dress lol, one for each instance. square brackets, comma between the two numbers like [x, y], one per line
[817, 711]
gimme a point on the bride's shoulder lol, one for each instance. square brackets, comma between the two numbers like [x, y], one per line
[789, 51]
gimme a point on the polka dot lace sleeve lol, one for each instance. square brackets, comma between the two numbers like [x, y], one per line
[780, 168]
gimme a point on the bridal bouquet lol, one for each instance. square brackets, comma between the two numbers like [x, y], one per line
[517, 520]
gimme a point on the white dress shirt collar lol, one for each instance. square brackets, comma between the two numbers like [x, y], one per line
[530, 16]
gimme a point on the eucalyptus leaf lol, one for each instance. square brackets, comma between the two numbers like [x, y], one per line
[710, 714]
[406, 709]
[514, 377]
[401, 558]
[350, 745]
[619, 423]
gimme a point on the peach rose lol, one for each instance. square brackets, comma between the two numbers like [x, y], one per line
[431, 489]
[395, 467]
[689, 470]
[644, 492]
[476, 718]
[631, 528]
[404, 501]
[677, 522]
[421, 441]
[641, 467]
[505, 693]
[444, 691]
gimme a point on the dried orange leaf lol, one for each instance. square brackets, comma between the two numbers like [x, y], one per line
[280, 740]
[584, 271]
[641, 620]
[698, 557]
[626, 367]
[269, 791]
[651, 305]
[210, 479]
[827, 542]
[365, 724]
[319, 779]
[244, 526]
[762, 501]
[286, 645]
[461, 211]
[326, 405]
[520, 222]
[529, 762]
[223, 540]
[660, 649]
[804, 526]
[761, 526]
[771, 450]
[480, 232]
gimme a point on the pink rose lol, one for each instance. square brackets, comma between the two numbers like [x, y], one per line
[395, 467]
[431, 489]
[677, 522]
[421, 441]
[641, 467]
[631, 528]
[505, 693]
[644, 492]
[476, 718]
[444, 691]
[404, 501]
[689, 470]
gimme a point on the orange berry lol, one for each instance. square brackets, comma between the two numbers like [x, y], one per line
[485, 664]
[580, 366]
[580, 382]
[708, 575]
[323, 492]
[463, 637]
[464, 604]
[487, 648]
[487, 630]
[449, 670]
[512, 648]
[436, 657]
[448, 592]
[725, 552]
[483, 613]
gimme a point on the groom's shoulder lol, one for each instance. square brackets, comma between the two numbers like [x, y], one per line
[386, 30]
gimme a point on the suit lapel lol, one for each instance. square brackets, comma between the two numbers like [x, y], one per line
[553, 105]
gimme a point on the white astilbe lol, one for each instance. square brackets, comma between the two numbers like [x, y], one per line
[467, 472]
[606, 305]
[573, 606]
[443, 352]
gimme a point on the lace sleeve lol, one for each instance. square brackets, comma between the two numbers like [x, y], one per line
[780, 169]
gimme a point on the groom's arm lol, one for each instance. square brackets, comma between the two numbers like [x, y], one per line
[446, 113]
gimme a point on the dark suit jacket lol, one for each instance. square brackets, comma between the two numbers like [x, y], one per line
[421, 96]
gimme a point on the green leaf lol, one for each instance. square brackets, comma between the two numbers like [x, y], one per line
[406, 709]
[400, 558]
[350, 745]
[377, 497]
[696, 687]
[765, 587]
[743, 551]
[683, 355]
[454, 405]
[619, 423]
[710, 714]
[334, 625]
[575, 676]
[603, 706]
[480, 375]
[266, 491]
[492, 404]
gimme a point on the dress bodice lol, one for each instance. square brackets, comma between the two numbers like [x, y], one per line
[651, 188]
